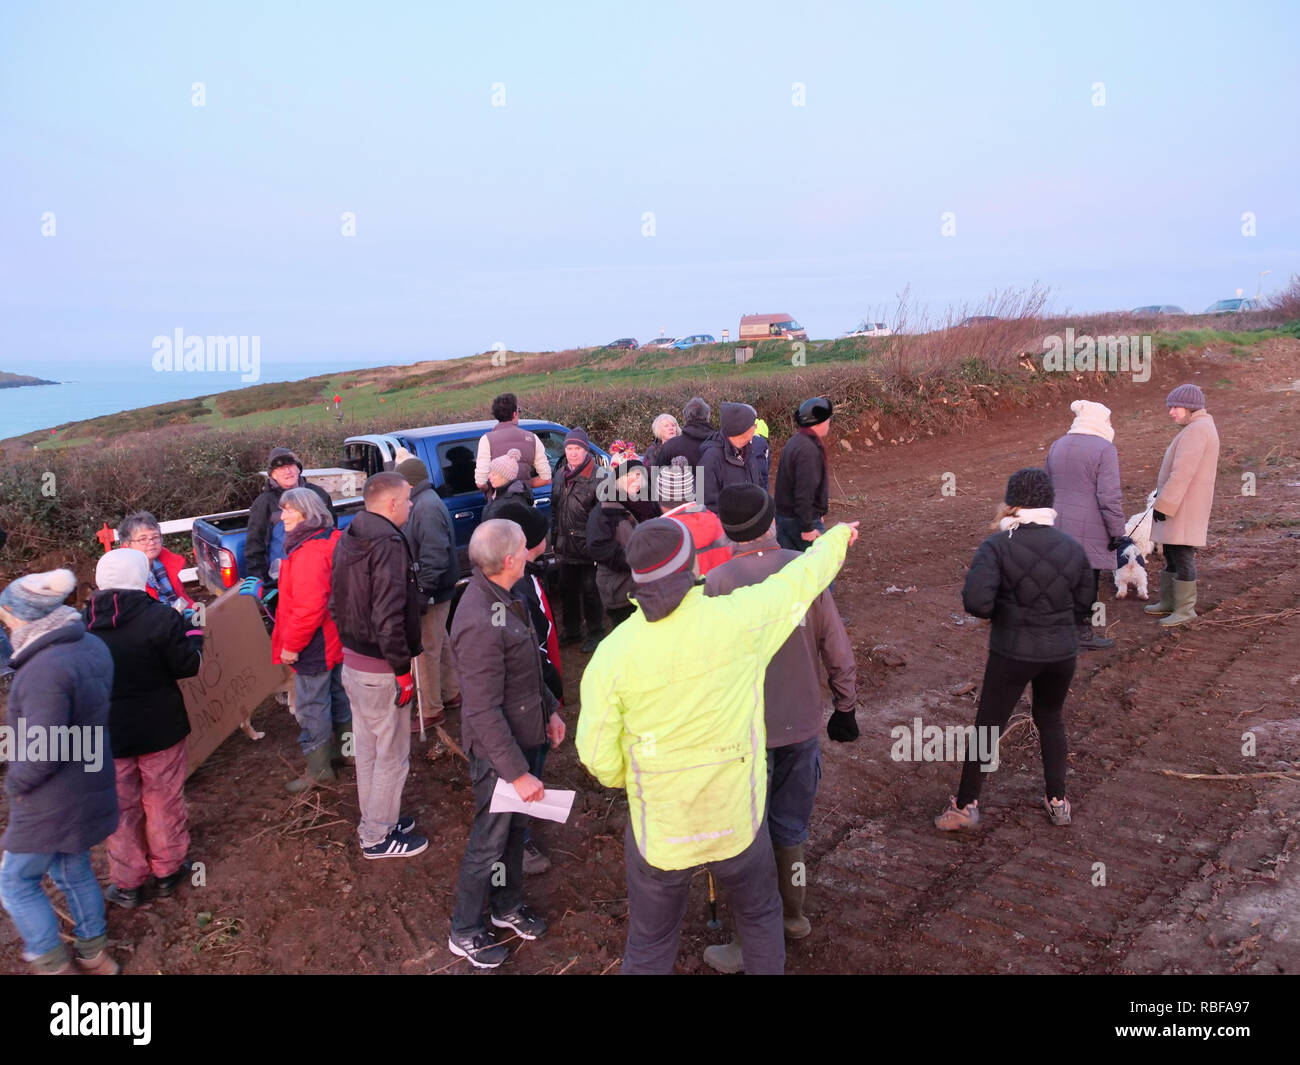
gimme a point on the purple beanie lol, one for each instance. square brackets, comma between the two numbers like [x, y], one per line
[1188, 396]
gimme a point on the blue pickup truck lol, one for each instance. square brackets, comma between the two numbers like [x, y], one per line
[447, 450]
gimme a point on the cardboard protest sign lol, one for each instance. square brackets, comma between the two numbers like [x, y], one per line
[236, 675]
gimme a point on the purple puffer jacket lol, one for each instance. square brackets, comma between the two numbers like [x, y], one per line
[1085, 474]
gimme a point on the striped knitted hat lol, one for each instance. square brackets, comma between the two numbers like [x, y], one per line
[676, 481]
[658, 549]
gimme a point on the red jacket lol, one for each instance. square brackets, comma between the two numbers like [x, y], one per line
[712, 547]
[303, 602]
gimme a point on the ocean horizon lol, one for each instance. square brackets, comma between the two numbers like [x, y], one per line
[93, 388]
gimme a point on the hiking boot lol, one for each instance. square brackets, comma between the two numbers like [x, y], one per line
[522, 921]
[1184, 602]
[318, 771]
[342, 733]
[725, 957]
[1092, 640]
[792, 876]
[167, 885]
[127, 898]
[534, 860]
[1058, 811]
[480, 950]
[1165, 605]
[957, 818]
[397, 845]
[93, 959]
[592, 642]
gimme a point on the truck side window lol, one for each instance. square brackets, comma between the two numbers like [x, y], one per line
[457, 460]
[553, 441]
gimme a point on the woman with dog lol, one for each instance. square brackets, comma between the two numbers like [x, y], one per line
[1184, 495]
[1084, 467]
[1035, 583]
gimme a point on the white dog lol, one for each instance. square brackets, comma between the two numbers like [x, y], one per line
[1131, 559]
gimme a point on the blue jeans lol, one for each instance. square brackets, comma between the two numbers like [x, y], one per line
[28, 905]
[793, 773]
[320, 704]
[789, 533]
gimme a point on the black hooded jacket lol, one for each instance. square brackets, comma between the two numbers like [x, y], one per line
[264, 516]
[375, 596]
[688, 442]
[152, 648]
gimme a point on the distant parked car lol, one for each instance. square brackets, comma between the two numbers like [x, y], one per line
[871, 329]
[694, 341]
[660, 342]
[1157, 308]
[1233, 306]
[978, 319]
[623, 344]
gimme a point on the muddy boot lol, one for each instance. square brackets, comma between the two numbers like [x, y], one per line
[319, 771]
[93, 959]
[1184, 601]
[791, 878]
[1166, 602]
[1091, 640]
[53, 963]
[725, 957]
[337, 757]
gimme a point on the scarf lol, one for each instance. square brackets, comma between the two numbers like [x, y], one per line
[1028, 516]
[161, 583]
[302, 532]
[1092, 419]
[55, 619]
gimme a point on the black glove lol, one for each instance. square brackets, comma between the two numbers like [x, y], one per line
[1157, 515]
[843, 726]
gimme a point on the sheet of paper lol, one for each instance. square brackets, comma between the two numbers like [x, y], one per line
[555, 806]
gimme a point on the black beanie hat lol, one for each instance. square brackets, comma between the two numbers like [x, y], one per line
[282, 456]
[530, 519]
[1030, 488]
[746, 511]
[737, 418]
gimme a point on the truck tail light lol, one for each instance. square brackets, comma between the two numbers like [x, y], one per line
[229, 572]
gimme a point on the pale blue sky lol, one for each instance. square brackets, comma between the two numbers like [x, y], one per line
[522, 224]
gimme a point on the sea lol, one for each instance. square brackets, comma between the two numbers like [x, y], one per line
[90, 388]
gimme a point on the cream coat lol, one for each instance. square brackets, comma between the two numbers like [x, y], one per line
[1185, 487]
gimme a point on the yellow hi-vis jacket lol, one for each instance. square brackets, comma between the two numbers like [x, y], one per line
[672, 710]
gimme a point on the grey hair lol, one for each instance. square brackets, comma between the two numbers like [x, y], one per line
[492, 541]
[696, 410]
[308, 504]
[660, 422]
[137, 519]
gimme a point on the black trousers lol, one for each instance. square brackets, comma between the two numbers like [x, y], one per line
[1004, 681]
[579, 598]
[1180, 560]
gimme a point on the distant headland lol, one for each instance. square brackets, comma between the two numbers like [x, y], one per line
[17, 380]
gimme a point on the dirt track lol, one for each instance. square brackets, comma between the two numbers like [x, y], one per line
[1197, 873]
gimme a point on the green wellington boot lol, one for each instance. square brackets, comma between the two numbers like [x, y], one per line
[1184, 601]
[319, 771]
[726, 957]
[1166, 603]
[791, 878]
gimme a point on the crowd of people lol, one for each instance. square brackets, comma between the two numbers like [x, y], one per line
[685, 574]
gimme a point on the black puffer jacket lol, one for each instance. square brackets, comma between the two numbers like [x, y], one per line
[725, 465]
[801, 481]
[264, 540]
[1036, 585]
[152, 648]
[609, 529]
[573, 495]
[375, 597]
[688, 442]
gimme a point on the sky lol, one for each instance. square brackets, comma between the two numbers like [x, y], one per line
[548, 176]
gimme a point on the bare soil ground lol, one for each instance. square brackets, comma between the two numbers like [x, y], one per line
[1198, 874]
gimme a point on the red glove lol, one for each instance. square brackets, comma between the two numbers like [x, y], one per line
[405, 689]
